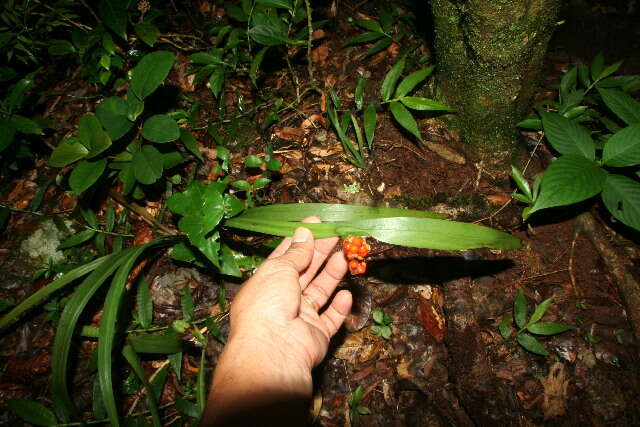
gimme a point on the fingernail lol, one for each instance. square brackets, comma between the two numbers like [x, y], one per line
[301, 235]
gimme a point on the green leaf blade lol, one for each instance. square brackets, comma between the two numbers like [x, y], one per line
[160, 128]
[412, 80]
[85, 174]
[32, 412]
[150, 72]
[520, 309]
[622, 104]
[540, 310]
[390, 80]
[148, 165]
[567, 136]
[405, 119]
[548, 328]
[621, 196]
[424, 104]
[531, 344]
[623, 148]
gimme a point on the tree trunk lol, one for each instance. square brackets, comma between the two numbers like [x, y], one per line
[489, 55]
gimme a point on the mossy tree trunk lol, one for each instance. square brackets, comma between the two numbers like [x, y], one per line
[489, 55]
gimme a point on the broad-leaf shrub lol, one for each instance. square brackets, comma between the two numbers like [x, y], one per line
[597, 136]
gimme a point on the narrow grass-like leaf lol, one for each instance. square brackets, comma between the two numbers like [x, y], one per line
[370, 121]
[520, 309]
[390, 80]
[364, 38]
[424, 104]
[531, 344]
[145, 304]
[191, 144]
[621, 196]
[521, 182]
[166, 343]
[132, 357]
[548, 328]
[62, 402]
[567, 136]
[175, 360]
[412, 80]
[568, 180]
[76, 239]
[597, 65]
[623, 148]
[52, 287]
[201, 384]
[32, 412]
[358, 98]
[158, 382]
[186, 303]
[107, 335]
[380, 45]
[332, 212]
[540, 310]
[255, 65]
[404, 117]
[622, 104]
[188, 408]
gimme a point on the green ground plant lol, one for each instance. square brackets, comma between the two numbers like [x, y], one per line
[355, 409]
[382, 322]
[601, 159]
[526, 327]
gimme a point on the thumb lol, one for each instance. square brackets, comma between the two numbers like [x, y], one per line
[300, 252]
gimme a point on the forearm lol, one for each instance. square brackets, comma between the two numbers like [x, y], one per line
[251, 387]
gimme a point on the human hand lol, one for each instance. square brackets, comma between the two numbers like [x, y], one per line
[263, 376]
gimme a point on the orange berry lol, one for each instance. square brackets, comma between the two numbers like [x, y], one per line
[362, 268]
[347, 247]
[363, 251]
[357, 241]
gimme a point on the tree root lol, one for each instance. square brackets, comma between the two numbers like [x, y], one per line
[627, 284]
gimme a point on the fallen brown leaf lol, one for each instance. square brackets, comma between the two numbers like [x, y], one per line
[320, 53]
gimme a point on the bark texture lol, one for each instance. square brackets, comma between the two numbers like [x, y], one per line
[489, 55]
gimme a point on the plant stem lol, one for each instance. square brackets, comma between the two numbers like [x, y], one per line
[142, 212]
[309, 40]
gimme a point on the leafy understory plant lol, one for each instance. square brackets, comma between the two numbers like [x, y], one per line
[391, 26]
[382, 322]
[394, 94]
[355, 409]
[533, 325]
[603, 159]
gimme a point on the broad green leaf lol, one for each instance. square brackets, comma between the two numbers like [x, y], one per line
[365, 38]
[166, 343]
[160, 128]
[268, 35]
[405, 119]
[67, 152]
[135, 106]
[198, 199]
[241, 184]
[25, 125]
[255, 65]
[622, 104]
[521, 181]
[370, 121]
[412, 80]
[583, 75]
[17, 94]
[520, 309]
[568, 180]
[424, 104]
[132, 357]
[261, 182]
[150, 72]
[332, 212]
[597, 65]
[535, 124]
[186, 303]
[610, 69]
[158, 382]
[175, 360]
[216, 81]
[621, 196]
[171, 159]
[107, 332]
[89, 125]
[112, 113]
[567, 136]
[127, 177]
[253, 161]
[505, 326]
[32, 412]
[77, 239]
[145, 304]
[147, 165]
[390, 80]
[61, 47]
[205, 58]
[85, 174]
[229, 265]
[404, 231]
[531, 344]
[548, 328]
[191, 144]
[623, 148]
[540, 310]
[188, 408]
[7, 134]
[147, 32]
[568, 83]
[114, 15]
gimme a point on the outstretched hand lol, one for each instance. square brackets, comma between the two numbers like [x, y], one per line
[281, 323]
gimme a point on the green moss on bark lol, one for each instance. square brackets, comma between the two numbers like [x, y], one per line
[489, 55]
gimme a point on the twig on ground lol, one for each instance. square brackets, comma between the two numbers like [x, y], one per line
[142, 212]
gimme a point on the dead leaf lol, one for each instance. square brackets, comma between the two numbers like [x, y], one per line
[555, 392]
[325, 151]
[356, 347]
[316, 407]
[313, 121]
[318, 34]
[320, 53]
[498, 199]
[431, 319]
[445, 152]
[289, 133]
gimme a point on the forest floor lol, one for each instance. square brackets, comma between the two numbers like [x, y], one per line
[446, 362]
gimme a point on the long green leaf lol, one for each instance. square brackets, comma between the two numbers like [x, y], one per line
[404, 117]
[201, 385]
[150, 72]
[532, 344]
[370, 119]
[520, 309]
[390, 80]
[32, 412]
[156, 344]
[540, 310]
[412, 80]
[424, 104]
[414, 232]
[548, 328]
[567, 136]
[332, 212]
[132, 357]
[622, 104]
[145, 304]
[107, 333]
[52, 287]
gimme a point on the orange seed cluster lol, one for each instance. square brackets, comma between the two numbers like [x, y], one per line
[356, 250]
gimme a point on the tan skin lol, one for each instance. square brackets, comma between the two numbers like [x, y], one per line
[281, 323]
